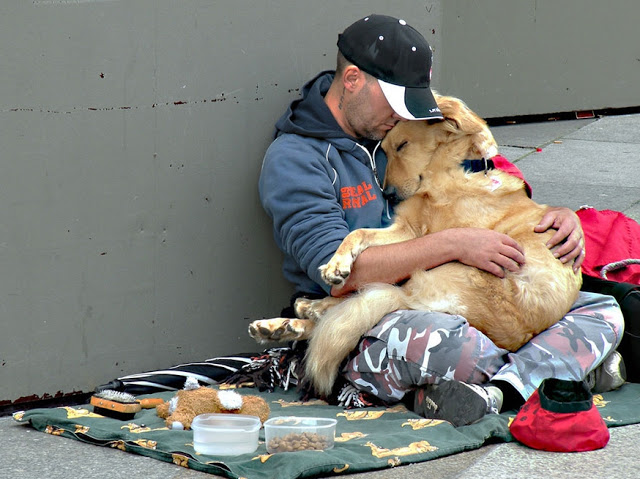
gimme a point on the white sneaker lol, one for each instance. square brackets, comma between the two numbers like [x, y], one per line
[610, 375]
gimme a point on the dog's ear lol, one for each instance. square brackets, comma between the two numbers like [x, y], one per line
[457, 117]
[452, 124]
[449, 107]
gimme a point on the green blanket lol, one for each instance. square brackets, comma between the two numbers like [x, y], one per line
[366, 439]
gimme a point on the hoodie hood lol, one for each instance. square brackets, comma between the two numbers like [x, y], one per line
[309, 115]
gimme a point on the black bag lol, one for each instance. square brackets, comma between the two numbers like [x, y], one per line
[628, 297]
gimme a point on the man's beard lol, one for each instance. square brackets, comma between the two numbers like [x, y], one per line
[375, 135]
[356, 111]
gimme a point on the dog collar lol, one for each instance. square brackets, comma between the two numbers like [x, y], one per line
[476, 166]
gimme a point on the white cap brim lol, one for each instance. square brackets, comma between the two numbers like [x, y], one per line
[396, 95]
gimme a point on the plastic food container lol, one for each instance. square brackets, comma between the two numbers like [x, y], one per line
[291, 433]
[225, 434]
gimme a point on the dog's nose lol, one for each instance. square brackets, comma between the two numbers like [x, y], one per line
[391, 195]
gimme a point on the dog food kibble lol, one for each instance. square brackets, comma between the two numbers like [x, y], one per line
[298, 442]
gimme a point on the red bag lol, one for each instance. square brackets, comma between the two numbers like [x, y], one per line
[560, 416]
[612, 243]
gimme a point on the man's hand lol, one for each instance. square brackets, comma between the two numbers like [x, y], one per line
[567, 243]
[488, 250]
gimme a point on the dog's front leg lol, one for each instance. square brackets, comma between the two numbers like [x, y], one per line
[314, 309]
[338, 269]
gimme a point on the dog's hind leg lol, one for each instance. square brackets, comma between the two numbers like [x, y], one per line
[308, 312]
[341, 328]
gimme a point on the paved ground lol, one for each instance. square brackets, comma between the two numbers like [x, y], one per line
[569, 163]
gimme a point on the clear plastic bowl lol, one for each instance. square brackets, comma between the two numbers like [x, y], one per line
[292, 433]
[225, 434]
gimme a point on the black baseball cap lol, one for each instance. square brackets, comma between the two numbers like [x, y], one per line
[399, 57]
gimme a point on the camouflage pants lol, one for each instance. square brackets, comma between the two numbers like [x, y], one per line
[413, 348]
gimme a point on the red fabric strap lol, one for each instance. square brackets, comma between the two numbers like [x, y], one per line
[501, 163]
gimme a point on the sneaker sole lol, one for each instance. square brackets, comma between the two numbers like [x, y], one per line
[450, 401]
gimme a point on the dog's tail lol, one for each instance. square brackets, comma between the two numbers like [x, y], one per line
[340, 330]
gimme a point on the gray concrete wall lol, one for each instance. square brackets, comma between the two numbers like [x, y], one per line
[507, 57]
[132, 132]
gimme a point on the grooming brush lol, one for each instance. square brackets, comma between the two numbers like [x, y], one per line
[120, 405]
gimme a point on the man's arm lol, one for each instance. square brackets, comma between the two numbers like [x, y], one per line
[482, 248]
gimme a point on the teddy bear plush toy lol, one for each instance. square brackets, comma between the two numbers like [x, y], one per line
[194, 400]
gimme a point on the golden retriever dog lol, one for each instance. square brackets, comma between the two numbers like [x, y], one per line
[425, 170]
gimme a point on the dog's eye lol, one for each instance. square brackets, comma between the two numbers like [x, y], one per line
[401, 145]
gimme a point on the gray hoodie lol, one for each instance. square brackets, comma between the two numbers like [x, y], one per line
[317, 184]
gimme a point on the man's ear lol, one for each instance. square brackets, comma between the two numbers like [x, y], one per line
[353, 78]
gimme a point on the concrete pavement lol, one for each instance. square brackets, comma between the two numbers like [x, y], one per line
[593, 162]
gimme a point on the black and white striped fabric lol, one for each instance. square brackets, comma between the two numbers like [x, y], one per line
[271, 369]
[208, 372]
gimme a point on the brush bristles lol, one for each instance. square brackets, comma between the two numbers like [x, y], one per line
[116, 396]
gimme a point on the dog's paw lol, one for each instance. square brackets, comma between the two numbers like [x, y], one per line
[303, 307]
[280, 329]
[313, 309]
[337, 270]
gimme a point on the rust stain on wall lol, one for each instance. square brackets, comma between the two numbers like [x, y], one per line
[111, 108]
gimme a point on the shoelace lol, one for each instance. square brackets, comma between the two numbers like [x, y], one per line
[350, 397]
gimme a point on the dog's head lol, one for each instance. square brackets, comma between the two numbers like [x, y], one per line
[417, 149]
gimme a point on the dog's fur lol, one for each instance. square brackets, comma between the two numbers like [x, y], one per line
[424, 168]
